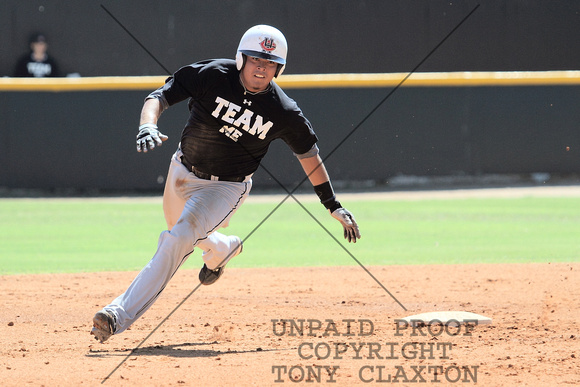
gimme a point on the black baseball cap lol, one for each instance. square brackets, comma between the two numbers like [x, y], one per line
[37, 37]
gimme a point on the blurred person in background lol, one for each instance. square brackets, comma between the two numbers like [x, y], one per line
[37, 63]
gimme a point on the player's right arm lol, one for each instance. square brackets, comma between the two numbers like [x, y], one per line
[152, 109]
[149, 135]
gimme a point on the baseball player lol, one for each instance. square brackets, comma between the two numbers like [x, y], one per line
[236, 110]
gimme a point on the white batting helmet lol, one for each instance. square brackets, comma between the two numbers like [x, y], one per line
[264, 42]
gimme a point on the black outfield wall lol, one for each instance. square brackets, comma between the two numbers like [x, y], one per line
[86, 140]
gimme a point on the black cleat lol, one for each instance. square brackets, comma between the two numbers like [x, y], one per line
[208, 276]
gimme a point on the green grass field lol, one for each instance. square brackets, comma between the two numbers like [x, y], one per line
[44, 236]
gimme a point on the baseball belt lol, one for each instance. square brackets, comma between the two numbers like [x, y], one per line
[208, 176]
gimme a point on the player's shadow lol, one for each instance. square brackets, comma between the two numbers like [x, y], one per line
[174, 350]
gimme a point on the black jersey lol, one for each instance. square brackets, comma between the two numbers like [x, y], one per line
[229, 130]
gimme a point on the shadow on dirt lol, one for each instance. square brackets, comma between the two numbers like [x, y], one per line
[175, 350]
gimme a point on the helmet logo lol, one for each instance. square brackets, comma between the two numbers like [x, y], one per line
[268, 44]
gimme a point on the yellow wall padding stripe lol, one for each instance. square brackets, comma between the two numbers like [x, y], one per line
[81, 84]
[451, 79]
[312, 81]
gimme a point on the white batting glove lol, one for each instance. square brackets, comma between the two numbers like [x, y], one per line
[351, 231]
[148, 137]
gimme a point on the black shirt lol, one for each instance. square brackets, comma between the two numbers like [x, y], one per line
[28, 67]
[228, 131]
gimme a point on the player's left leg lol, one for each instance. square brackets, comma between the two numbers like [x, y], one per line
[218, 248]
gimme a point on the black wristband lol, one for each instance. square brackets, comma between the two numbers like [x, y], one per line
[326, 195]
[332, 205]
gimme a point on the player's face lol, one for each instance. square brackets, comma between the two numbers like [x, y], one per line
[257, 73]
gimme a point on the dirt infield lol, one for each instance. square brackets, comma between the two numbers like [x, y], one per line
[230, 334]
[245, 329]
